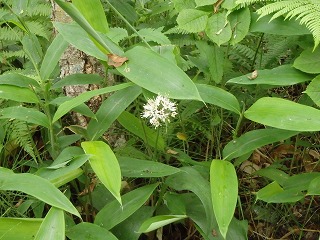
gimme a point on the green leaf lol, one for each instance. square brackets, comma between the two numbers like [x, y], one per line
[219, 97]
[16, 79]
[154, 35]
[240, 23]
[19, 228]
[135, 168]
[273, 174]
[284, 75]
[30, 115]
[32, 47]
[273, 193]
[224, 192]
[89, 231]
[105, 165]
[308, 61]
[52, 56]
[110, 110]
[74, 102]
[213, 56]
[79, 38]
[313, 90]
[185, 180]
[300, 182]
[284, 114]
[192, 20]
[52, 227]
[277, 26]
[94, 13]
[105, 44]
[200, 3]
[82, 108]
[218, 29]
[45, 191]
[183, 4]
[18, 94]
[78, 79]
[112, 213]
[314, 187]
[139, 128]
[152, 69]
[159, 221]
[253, 140]
[128, 229]
[126, 9]
[228, 4]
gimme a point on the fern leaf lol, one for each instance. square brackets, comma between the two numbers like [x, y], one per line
[9, 34]
[38, 29]
[19, 132]
[308, 11]
[117, 34]
[154, 35]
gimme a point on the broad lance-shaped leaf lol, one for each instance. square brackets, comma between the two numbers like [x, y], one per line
[224, 193]
[112, 213]
[157, 74]
[87, 231]
[253, 140]
[284, 75]
[19, 228]
[18, 94]
[110, 110]
[308, 61]
[68, 105]
[105, 165]
[159, 221]
[139, 128]
[313, 90]
[185, 180]
[94, 13]
[284, 114]
[135, 168]
[52, 56]
[219, 97]
[78, 37]
[16, 79]
[53, 226]
[105, 44]
[44, 190]
[30, 115]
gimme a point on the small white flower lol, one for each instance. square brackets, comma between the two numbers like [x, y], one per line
[159, 110]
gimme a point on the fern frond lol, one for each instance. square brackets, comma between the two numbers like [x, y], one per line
[19, 132]
[308, 11]
[277, 50]
[13, 54]
[154, 35]
[7, 34]
[38, 9]
[38, 29]
[242, 55]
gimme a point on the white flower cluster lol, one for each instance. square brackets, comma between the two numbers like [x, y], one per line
[159, 110]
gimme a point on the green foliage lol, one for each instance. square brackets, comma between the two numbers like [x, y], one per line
[239, 88]
[307, 11]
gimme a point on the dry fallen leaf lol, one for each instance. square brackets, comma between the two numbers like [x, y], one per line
[115, 60]
[254, 75]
